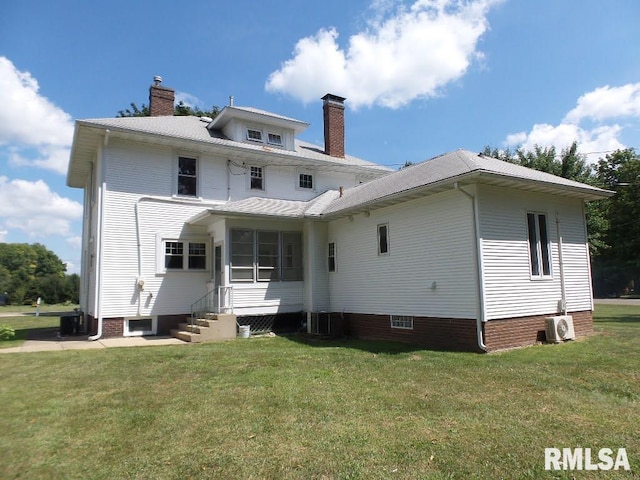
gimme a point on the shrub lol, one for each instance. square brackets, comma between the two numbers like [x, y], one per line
[6, 332]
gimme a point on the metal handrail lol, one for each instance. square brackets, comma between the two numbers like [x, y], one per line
[220, 301]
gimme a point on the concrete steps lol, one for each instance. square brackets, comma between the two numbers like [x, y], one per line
[210, 328]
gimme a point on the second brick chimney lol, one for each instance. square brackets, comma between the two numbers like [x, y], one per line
[333, 110]
[161, 99]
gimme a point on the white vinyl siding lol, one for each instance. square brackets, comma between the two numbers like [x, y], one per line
[509, 287]
[433, 241]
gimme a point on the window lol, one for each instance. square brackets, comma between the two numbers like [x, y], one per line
[274, 138]
[175, 258]
[332, 257]
[402, 321]
[257, 178]
[135, 326]
[305, 181]
[242, 255]
[187, 177]
[539, 254]
[383, 239]
[254, 135]
[266, 256]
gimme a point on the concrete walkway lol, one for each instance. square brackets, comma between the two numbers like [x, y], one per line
[52, 343]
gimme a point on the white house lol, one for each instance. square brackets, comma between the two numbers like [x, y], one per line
[186, 214]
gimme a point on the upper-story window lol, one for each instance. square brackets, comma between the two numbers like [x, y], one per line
[187, 177]
[254, 134]
[305, 180]
[274, 139]
[257, 178]
[383, 239]
[539, 251]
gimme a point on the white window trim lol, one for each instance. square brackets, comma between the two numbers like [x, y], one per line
[176, 174]
[161, 242]
[380, 253]
[541, 276]
[264, 178]
[400, 319]
[276, 144]
[313, 181]
[154, 326]
[255, 140]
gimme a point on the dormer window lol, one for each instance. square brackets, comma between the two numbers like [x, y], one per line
[254, 135]
[275, 139]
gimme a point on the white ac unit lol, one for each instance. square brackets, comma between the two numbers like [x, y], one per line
[560, 328]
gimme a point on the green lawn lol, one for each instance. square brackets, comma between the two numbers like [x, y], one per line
[277, 408]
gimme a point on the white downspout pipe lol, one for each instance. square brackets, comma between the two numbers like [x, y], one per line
[99, 243]
[480, 317]
[563, 288]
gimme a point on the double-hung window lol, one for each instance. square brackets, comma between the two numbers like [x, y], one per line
[257, 178]
[305, 180]
[187, 177]
[539, 250]
[331, 258]
[185, 255]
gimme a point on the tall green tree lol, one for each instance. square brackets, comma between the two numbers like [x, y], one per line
[179, 110]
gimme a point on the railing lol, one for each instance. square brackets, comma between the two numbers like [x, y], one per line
[220, 301]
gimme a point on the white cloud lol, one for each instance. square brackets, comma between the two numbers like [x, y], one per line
[75, 241]
[188, 99]
[607, 102]
[404, 54]
[3, 235]
[29, 121]
[601, 107]
[33, 208]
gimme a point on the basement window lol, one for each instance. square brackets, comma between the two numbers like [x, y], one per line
[137, 327]
[402, 321]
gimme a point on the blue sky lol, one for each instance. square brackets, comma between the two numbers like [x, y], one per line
[421, 77]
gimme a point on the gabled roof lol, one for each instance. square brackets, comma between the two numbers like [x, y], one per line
[432, 176]
[464, 167]
[256, 115]
[191, 133]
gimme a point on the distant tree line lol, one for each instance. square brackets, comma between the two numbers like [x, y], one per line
[613, 224]
[29, 272]
[179, 110]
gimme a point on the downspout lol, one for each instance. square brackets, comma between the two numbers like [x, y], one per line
[480, 317]
[100, 221]
[228, 180]
[563, 291]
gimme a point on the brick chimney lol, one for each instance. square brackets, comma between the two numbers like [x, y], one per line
[333, 110]
[161, 99]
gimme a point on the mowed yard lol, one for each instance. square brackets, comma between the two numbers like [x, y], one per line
[280, 408]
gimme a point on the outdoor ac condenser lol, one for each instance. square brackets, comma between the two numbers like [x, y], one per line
[560, 328]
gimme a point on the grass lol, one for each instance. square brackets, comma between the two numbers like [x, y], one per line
[282, 408]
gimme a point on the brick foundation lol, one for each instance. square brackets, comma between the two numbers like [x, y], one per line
[112, 327]
[520, 332]
[434, 333]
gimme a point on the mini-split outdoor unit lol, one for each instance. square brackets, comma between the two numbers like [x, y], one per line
[560, 328]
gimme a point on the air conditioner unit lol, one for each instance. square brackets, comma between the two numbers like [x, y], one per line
[560, 328]
[320, 323]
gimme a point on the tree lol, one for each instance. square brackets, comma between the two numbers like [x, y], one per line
[618, 269]
[180, 110]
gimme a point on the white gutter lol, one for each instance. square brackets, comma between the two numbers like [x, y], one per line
[97, 297]
[480, 316]
[563, 289]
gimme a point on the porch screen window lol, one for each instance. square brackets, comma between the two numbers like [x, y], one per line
[383, 239]
[332, 257]
[540, 258]
[266, 256]
[187, 177]
[257, 178]
[242, 250]
[291, 256]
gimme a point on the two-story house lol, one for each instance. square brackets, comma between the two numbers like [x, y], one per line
[461, 251]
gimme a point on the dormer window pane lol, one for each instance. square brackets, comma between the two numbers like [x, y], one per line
[254, 135]
[275, 139]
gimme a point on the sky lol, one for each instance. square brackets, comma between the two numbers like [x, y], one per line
[421, 78]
